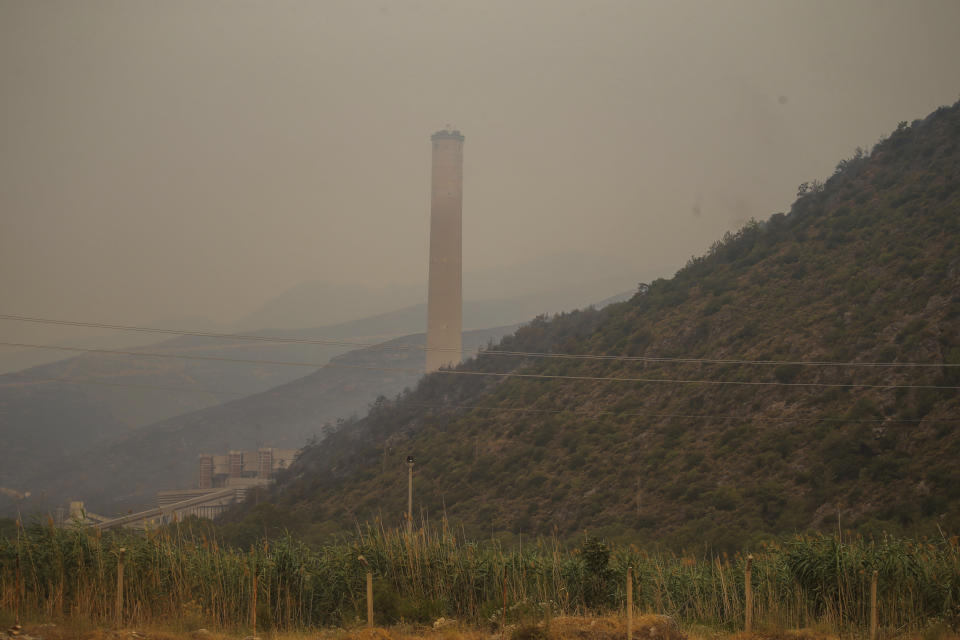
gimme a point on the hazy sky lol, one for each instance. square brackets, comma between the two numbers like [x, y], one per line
[173, 159]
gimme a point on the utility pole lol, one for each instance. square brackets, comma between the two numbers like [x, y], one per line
[748, 596]
[409, 494]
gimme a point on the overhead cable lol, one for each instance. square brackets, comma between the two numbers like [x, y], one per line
[679, 416]
[539, 376]
[527, 410]
[485, 352]
[130, 385]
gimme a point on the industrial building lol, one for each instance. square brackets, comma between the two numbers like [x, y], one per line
[222, 480]
[241, 468]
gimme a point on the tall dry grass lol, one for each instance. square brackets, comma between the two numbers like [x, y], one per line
[188, 578]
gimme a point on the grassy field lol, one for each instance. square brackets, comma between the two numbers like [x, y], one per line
[184, 580]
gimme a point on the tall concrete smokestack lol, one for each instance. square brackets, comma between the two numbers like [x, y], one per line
[444, 296]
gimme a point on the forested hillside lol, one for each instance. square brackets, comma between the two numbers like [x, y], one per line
[804, 369]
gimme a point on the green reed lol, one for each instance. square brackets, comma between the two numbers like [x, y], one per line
[186, 576]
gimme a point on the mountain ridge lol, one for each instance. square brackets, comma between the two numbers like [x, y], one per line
[864, 269]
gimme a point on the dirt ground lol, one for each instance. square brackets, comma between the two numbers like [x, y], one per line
[647, 627]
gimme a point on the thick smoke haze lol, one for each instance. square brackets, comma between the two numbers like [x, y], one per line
[178, 161]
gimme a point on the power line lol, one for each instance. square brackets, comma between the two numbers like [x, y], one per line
[311, 365]
[207, 334]
[488, 352]
[526, 410]
[539, 376]
[682, 416]
[665, 359]
[709, 382]
[126, 384]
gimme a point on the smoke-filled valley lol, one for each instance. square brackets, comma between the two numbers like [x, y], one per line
[440, 320]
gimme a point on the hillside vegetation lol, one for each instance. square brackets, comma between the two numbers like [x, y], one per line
[864, 269]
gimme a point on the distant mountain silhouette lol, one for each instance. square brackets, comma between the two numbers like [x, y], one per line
[127, 472]
[48, 423]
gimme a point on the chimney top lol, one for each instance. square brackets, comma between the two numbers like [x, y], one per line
[447, 134]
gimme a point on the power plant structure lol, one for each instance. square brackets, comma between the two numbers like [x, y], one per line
[222, 481]
[445, 292]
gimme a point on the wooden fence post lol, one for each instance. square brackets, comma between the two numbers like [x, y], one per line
[873, 606]
[369, 598]
[120, 587]
[503, 626]
[748, 596]
[19, 586]
[253, 609]
[629, 603]
[410, 495]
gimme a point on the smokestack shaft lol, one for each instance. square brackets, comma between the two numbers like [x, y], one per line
[445, 295]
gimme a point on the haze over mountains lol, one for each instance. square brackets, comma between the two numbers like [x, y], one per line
[562, 280]
[67, 407]
[126, 473]
[803, 373]
[57, 414]
[265, 169]
[493, 297]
